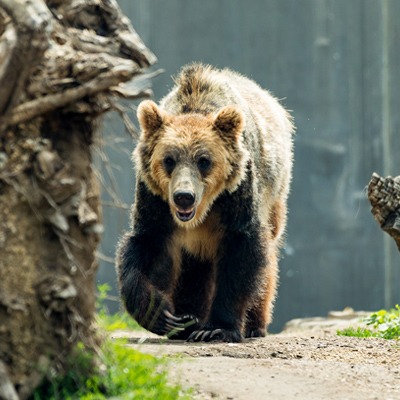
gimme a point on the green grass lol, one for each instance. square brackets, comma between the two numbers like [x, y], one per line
[384, 324]
[356, 332]
[119, 321]
[123, 374]
[118, 372]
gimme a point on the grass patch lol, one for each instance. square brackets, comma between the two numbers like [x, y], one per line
[123, 374]
[356, 332]
[384, 324]
[119, 321]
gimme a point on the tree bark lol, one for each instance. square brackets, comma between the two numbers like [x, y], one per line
[61, 65]
[384, 196]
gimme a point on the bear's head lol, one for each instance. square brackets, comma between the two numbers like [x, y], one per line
[190, 159]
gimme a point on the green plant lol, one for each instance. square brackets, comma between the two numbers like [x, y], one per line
[118, 321]
[384, 324]
[123, 373]
[387, 323]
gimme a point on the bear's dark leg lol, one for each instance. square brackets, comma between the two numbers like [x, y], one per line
[194, 291]
[238, 274]
[255, 322]
[145, 268]
[259, 315]
[145, 274]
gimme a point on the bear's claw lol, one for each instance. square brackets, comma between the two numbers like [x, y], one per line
[215, 335]
[174, 325]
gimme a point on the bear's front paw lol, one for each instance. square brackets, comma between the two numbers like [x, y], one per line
[215, 335]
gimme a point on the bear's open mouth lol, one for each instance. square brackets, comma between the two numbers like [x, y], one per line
[185, 215]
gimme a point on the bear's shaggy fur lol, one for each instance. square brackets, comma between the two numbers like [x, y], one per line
[213, 168]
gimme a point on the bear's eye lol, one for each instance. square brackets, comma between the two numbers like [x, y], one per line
[204, 164]
[169, 164]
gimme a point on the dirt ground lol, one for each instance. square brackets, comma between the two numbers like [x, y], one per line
[306, 361]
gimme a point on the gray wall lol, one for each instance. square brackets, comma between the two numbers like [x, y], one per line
[336, 65]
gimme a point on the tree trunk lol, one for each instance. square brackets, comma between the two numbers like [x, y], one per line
[61, 65]
[384, 195]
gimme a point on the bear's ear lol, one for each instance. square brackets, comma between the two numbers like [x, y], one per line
[150, 117]
[229, 122]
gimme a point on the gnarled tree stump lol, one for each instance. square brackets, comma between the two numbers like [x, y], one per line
[62, 65]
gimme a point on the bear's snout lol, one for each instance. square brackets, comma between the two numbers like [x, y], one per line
[184, 199]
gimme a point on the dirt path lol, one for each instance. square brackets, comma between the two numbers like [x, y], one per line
[300, 365]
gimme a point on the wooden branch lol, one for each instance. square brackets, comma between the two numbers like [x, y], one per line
[32, 23]
[113, 23]
[139, 87]
[79, 49]
[384, 196]
[131, 43]
[43, 105]
[91, 43]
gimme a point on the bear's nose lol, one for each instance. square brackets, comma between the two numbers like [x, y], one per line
[184, 200]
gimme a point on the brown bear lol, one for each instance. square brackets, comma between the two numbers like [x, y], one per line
[213, 168]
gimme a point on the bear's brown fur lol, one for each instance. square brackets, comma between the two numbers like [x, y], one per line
[213, 170]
